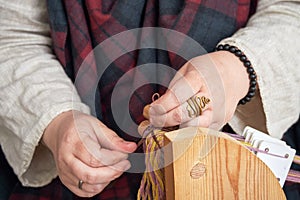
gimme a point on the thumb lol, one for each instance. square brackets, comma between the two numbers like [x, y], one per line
[110, 140]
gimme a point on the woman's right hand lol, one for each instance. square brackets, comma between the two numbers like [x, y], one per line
[85, 149]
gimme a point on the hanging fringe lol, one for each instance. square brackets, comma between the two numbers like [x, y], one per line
[152, 184]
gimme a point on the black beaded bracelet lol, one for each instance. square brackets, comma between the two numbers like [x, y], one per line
[247, 64]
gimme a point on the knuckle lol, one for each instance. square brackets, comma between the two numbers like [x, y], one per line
[157, 122]
[111, 160]
[98, 188]
[116, 158]
[93, 162]
[90, 178]
[176, 116]
[71, 163]
[62, 161]
[115, 138]
[205, 124]
[79, 146]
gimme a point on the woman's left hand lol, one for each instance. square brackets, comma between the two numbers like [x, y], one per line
[219, 76]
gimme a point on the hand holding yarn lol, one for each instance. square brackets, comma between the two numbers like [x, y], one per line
[205, 92]
[88, 155]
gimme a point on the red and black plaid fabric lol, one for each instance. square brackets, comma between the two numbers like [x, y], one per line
[78, 26]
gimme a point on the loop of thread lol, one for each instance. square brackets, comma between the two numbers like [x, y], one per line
[155, 96]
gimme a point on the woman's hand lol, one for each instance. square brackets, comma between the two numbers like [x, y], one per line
[219, 76]
[85, 149]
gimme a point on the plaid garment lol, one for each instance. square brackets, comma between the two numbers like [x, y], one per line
[77, 26]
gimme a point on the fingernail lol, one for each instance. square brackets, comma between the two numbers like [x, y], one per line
[151, 110]
[127, 167]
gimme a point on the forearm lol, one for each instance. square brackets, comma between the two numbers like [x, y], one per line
[34, 89]
[270, 41]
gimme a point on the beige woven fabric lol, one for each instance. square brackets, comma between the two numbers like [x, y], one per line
[34, 88]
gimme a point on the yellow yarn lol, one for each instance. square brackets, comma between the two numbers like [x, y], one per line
[152, 184]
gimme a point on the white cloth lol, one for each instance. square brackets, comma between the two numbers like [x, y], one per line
[271, 42]
[34, 88]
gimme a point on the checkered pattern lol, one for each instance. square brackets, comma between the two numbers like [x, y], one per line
[78, 26]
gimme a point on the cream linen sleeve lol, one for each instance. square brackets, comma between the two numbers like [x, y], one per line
[33, 89]
[271, 42]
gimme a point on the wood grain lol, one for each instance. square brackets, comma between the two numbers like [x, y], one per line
[232, 171]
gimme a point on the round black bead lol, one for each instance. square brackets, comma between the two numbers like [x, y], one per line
[252, 76]
[250, 94]
[226, 47]
[220, 47]
[247, 64]
[247, 99]
[243, 58]
[250, 70]
[232, 49]
[238, 53]
[252, 88]
[242, 101]
[253, 83]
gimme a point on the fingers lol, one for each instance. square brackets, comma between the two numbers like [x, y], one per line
[88, 126]
[94, 179]
[186, 113]
[99, 166]
[97, 175]
[177, 106]
[87, 150]
[110, 140]
[143, 126]
[184, 88]
[86, 190]
[90, 152]
[93, 188]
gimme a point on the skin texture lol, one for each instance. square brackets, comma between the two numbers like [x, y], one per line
[85, 149]
[219, 76]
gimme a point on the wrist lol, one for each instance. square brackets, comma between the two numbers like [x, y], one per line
[247, 66]
[52, 130]
[234, 75]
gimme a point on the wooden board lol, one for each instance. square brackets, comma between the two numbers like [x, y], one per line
[231, 170]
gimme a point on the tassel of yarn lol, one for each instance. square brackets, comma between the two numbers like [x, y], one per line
[152, 184]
